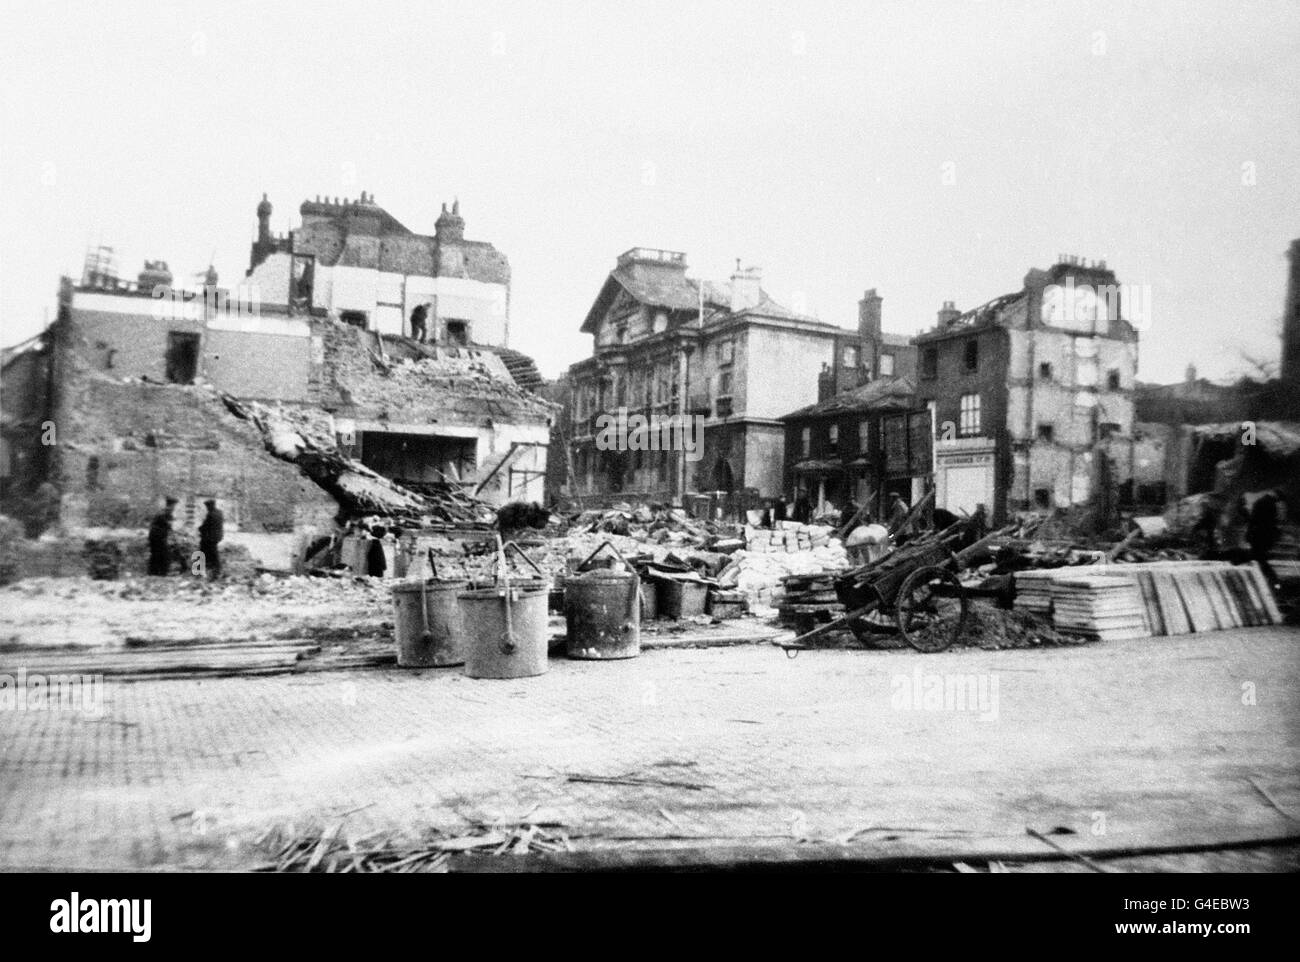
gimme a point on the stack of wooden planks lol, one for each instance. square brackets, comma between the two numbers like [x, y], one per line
[1098, 607]
[1173, 597]
[1034, 589]
[809, 599]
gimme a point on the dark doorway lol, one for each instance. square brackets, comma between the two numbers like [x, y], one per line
[418, 458]
[723, 477]
[182, 357]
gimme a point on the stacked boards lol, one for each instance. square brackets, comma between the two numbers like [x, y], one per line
[808, 600]
[1098, 607]
[1173, 598]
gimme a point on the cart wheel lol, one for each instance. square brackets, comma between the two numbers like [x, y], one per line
[931, 608]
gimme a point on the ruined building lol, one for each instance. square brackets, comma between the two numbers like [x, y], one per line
[859, 445]
[131, 373]
[670, 345]
[354, 259]
[1032, 393]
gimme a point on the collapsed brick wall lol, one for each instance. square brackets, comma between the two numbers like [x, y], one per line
[124, 447]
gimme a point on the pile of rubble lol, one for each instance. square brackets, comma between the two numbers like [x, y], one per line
[759, 574]
[301, 437]
[997, 628]
[788, 537]
[658, 525]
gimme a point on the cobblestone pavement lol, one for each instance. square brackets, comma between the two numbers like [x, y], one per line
[1186, 739]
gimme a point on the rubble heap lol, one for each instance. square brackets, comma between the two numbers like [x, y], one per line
[296, 436]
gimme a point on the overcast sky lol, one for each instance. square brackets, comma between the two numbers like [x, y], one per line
[810, 139]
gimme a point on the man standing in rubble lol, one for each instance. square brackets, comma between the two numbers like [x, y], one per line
[160, 537]
[898, 510]
[1262, 533]
[420, 323]
[376, 561]
[211, 532]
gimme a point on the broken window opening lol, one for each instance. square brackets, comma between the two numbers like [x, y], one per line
[458, 333]
[418, 459]
[355, 318]
[930, 362]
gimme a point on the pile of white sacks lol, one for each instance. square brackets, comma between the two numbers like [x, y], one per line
[758, 573]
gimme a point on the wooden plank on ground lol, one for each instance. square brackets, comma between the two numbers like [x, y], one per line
[1265, 591]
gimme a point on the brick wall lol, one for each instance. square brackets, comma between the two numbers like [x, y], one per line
[124, 447]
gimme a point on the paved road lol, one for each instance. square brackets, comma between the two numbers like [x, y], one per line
[1171, 739]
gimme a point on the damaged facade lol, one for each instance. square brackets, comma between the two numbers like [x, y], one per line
[726, 356]
[859, 446]
[134, 386]
[1032, 394]
[354, 260]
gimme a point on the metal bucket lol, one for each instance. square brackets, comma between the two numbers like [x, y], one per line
[682, 599]
[602, 611]
[428, 624]
[506, 625]
[505, 630]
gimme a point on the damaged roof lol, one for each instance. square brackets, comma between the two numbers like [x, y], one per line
[457, 389]
[666, 285]
[363, 234]
[986, 314]
[1279, 439]
[882, 394]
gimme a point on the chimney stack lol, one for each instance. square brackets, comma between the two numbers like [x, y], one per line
[869, 316]
[746, 288]
[948, 313]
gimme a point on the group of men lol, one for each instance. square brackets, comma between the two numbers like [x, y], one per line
[212, 530]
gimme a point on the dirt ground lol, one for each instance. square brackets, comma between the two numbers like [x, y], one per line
[86, 613]
[683, 751]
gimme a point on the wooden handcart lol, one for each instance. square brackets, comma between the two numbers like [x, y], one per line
[916, 585]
